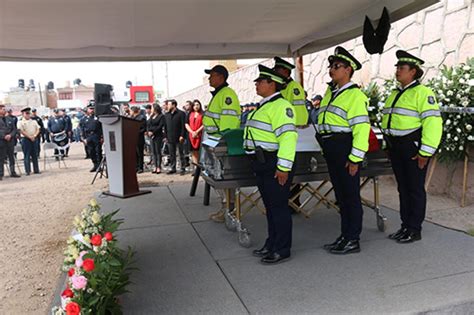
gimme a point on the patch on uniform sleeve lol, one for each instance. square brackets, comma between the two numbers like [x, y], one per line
[431, 100]
[296, 91]
[228, 100]
[289, 112]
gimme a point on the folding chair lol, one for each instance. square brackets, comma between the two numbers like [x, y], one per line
[17, 149]
[49, 146]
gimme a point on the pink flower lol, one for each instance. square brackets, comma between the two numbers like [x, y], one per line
[81, 254]
[79, 262]
[78, 282]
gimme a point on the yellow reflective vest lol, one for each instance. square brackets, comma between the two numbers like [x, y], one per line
[410, 109]
[272, 127]
[223, 111]
[346, 112]
[294, 93]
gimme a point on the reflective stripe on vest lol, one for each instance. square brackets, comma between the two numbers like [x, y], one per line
[279, 131]
[429, 113]
[285, 163]
[331, 128]
[428, 149]
[268, 146]
[358, 120]
[398, 132]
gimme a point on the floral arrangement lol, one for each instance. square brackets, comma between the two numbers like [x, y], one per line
[97, 269]
[455, 93]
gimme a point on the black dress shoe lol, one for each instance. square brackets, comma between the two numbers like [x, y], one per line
[93, 169]
[262, 252]
[171, 172]
[140, 171]
[346, 247]
[398, 234]
[15, 175]
[182, 172]
[333, 244]
[273, 258]
[409, 237]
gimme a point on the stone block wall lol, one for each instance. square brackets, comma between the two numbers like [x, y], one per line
[441, 34]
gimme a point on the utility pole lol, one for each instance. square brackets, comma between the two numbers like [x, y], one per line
[167, 80]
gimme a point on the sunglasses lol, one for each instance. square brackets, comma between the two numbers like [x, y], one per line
[335, 66]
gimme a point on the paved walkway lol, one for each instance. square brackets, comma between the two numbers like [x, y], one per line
[190, 265]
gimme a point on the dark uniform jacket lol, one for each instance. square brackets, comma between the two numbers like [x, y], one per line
[175, 125]
[56, 124]
[91, 128]
[7, 127]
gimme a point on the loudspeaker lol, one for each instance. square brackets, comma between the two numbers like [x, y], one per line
[103, 99]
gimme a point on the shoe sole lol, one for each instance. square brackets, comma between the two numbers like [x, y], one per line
[275, 263]
[354, 251]
[412, 241]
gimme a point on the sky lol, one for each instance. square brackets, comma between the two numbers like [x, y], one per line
[182, 75]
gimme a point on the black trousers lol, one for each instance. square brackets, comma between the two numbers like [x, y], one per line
[156, 144]
[94, 150]
[172, 147]
[10, 154]
[140, 149]
[336, 150]
[410, 180]
[3, 155]
[275, 198]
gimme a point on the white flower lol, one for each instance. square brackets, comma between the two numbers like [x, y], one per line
[447, 100]
[440, 92]
[458, 116]
[470, 138]
[448, 122]
[470, 83]
[454, 71]
[458, 130]
[447, 149]
[468, 127]
[466, 76]
[448, 136]
[450, 81]
[450, 93]
[456, 138]
[95, 217]
[461, 148]
[458, 96]
[455, 123]
[444, 80]
[462, 81]
[465, 103]
[466, 68]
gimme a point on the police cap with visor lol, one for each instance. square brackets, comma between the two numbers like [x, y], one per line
[341, 54]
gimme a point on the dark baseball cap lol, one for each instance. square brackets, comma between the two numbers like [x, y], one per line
[218, 69]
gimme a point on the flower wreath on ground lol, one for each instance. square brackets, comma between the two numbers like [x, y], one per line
[97, 269]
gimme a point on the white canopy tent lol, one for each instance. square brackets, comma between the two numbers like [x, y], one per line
[107, 30]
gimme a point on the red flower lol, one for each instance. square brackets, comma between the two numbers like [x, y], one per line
[88, 265]
[67, 293]
[108, 236]
[73, 309]
[96, 240]
[70, 272]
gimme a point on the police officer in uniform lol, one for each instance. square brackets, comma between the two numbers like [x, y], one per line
[8, 133]
[40, 138]
[270, 136]
[295, 94]
[91, 135]
[412, 127]
[343, 132]
[223, 112]
[56, 124]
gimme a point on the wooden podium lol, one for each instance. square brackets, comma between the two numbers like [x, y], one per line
[120, 139]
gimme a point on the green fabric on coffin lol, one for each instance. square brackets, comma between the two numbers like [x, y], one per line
[235, 141]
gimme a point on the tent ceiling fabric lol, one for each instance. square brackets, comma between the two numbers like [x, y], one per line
[97, 30]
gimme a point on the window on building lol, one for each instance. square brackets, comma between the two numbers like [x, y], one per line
[142, 97]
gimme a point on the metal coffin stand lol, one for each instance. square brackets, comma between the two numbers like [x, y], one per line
[228, 172]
